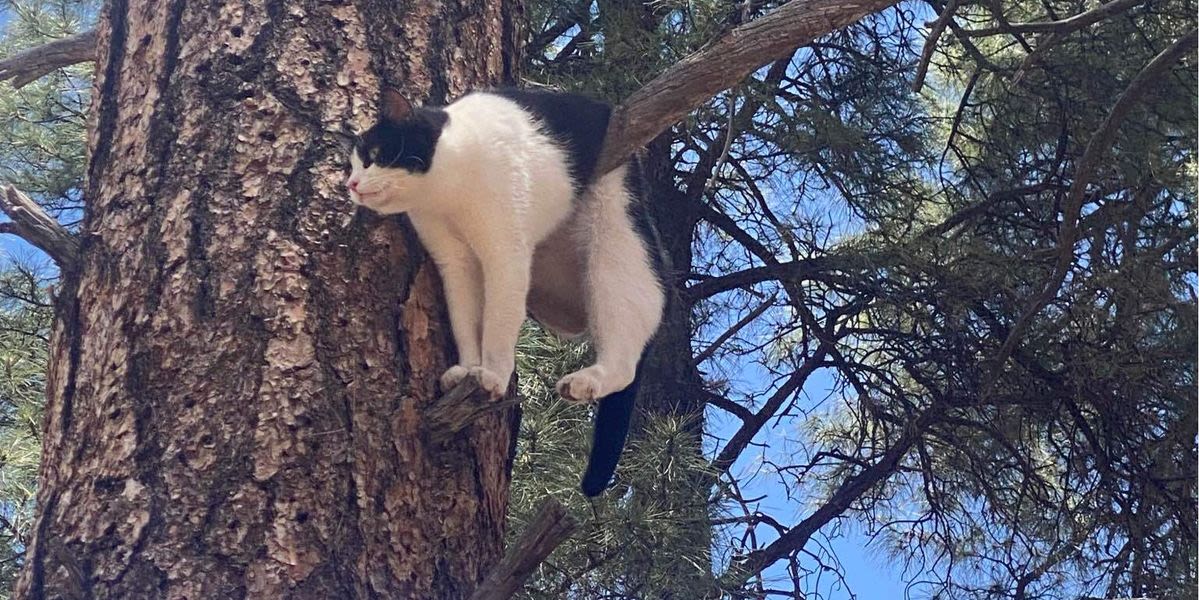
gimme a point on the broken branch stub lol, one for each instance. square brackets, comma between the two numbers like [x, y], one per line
[456, 409]
[552, 526]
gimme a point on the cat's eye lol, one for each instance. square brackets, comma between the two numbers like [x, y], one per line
[374, 155]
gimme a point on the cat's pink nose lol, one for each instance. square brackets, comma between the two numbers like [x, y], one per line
[352, 183]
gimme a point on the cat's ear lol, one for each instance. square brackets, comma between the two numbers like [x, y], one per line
[394, 106]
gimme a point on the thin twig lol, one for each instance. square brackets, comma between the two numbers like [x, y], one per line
[738, 326]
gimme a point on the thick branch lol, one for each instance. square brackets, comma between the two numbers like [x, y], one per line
[26, 66]
[721, 65]
[1072, 207]
[458, 408]
[32, 224]
[551, 527]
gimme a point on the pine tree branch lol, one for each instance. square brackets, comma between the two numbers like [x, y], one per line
[28, 65]
[750, 427]
[722, 64]
[930, 44]
[732, 331]
[549, 529]
[1097, 147]
[1063, 26]
[818, 267]
[32, 224]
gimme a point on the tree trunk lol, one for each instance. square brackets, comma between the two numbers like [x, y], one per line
[673, 386]
[240, 363]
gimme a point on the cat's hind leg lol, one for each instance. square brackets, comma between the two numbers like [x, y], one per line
[624, 294]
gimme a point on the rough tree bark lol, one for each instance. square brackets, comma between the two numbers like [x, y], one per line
[238, 368]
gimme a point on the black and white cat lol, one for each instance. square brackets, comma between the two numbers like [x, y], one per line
[501, 186]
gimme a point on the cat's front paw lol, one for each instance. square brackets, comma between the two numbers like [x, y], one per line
[582, 386]
[493, 384]
[453, 376]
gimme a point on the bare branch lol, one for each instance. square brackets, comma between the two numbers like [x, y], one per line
[551, 527]
[721, 65]
[732, 331]
[1072, 206]
[26, 66]
[456, 409]
[1065, 25]
[796, 270]
[745, 434]
[930, 44]
[32, 224]
[797, 537]
[728, 406]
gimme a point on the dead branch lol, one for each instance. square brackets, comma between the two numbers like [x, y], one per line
[26, 66]
[456, 409]
[551, 527]
[32, 224]
[1072, 206]
[721, 65]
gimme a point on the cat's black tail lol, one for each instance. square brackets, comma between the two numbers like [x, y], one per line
[611, 430]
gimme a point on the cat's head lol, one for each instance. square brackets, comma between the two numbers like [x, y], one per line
[391, 160]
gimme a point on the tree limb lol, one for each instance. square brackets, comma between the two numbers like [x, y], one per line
[551, 527]
[930, 44]
[32, 224]
[1072, 206]
[796, 270]
[1065, 25]
[797, 537]
[732, 331]
[28, 65]
[750, 428]
[722, 64]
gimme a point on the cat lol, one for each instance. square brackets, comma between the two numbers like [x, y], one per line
[503, 191]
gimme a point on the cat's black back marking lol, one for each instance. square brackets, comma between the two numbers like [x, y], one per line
[577, 122]
[407, 144]
[638, 209]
